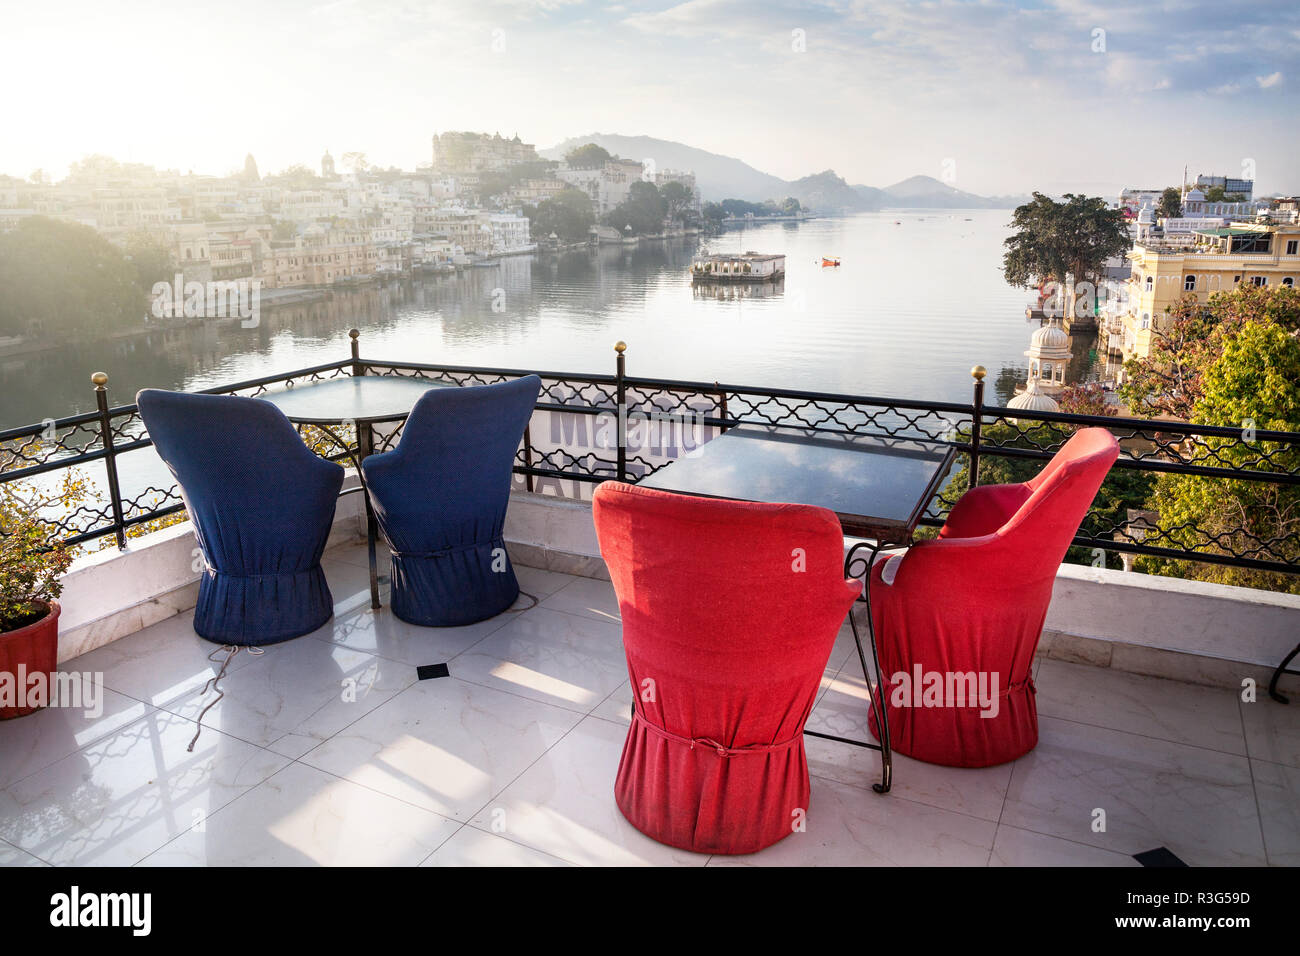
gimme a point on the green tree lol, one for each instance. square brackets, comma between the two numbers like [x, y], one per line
[567, 214]
[1171, 203]
[1054, 240]
[1191, 338]
[59, 280]
[1254, 386]
[151, 258]
[644, 210]
[678, 200]
[589, 156]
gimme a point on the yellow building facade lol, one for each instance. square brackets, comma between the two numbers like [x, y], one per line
[1215, 260]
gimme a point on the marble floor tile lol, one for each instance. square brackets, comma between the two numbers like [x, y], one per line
[119, 799]
[444, 744]
[163, 663]
[540, 583]
[1184, 713]
[1016, 847]
[304, 817]
[564, 805]
[473, 847]
[1198, 803]
[588, 597]
[843, 711]
[384, 634]
[31, 743]
[1272, 729]
[296, 694]
[12, 856]
[848, 826]
[1278, 788]
[558, 658]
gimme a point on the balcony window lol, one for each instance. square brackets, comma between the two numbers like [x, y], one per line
[1289, 282]
[1259, 281]
[1189, 283]
[1150, 283]
[1292, 247]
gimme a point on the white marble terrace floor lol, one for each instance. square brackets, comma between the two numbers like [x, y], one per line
[511, 759]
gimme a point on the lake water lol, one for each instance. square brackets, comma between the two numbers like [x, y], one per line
[919, 299]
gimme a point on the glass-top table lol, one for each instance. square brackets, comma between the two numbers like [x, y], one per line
[354, 398]
[363, 401]
[879, 488]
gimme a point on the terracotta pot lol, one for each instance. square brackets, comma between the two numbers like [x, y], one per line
[33, 649]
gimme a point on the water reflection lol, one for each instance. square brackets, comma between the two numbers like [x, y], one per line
[910, 310]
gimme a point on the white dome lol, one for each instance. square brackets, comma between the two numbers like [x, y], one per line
[1050, 337]
[1195, 196]
[1033, 400]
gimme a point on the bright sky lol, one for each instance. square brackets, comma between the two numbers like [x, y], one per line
[1055, 94]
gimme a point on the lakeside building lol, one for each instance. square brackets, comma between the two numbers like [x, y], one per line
[664, 177]
[458, 152]
[738, 267]
[1217, 259]
[534, 191]
[607, 185]
[1230, 186]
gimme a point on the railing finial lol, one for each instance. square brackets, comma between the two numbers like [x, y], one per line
[620, 346]
[978, 372]
[99, 380]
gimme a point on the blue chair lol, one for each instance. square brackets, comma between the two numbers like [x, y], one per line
[262, 504]
[441, 495]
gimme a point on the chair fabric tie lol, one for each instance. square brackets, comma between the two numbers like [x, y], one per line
[455, 549]
[710, 744]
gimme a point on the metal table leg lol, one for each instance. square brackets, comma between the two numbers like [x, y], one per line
[1277, 675]
[877, 705]
[366, 448]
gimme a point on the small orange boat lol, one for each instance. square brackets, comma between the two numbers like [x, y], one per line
[827, 261]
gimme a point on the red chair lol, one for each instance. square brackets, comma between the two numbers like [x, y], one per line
[729, 613]
[971, 604]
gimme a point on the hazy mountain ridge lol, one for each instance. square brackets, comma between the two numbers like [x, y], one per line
[725, 177]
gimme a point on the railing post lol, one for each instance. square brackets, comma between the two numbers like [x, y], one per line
[100, 381]
[977, 406]
[620, 371]
[528, 456]
[354, 335]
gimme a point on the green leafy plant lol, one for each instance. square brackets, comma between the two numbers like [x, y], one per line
[32, 556]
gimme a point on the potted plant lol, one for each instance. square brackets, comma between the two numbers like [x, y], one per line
[31, 560]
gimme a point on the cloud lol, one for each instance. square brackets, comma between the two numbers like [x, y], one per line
[1270, 81]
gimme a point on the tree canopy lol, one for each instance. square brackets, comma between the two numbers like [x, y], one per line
[60, 279]
[567, 214]
[644, 210]
[1056, 239]
[1191, 337]
[589, 156]
[1171, 203]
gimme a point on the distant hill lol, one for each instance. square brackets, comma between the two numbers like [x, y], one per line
[725, 177]
[828, 193]
[926, 192]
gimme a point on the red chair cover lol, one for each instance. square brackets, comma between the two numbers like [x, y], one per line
[729, 613]
[973, 602]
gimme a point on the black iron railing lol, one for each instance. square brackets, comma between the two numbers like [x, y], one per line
[569, 454]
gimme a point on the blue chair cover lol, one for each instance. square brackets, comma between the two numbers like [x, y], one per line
[262, 504]
[441, 495]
